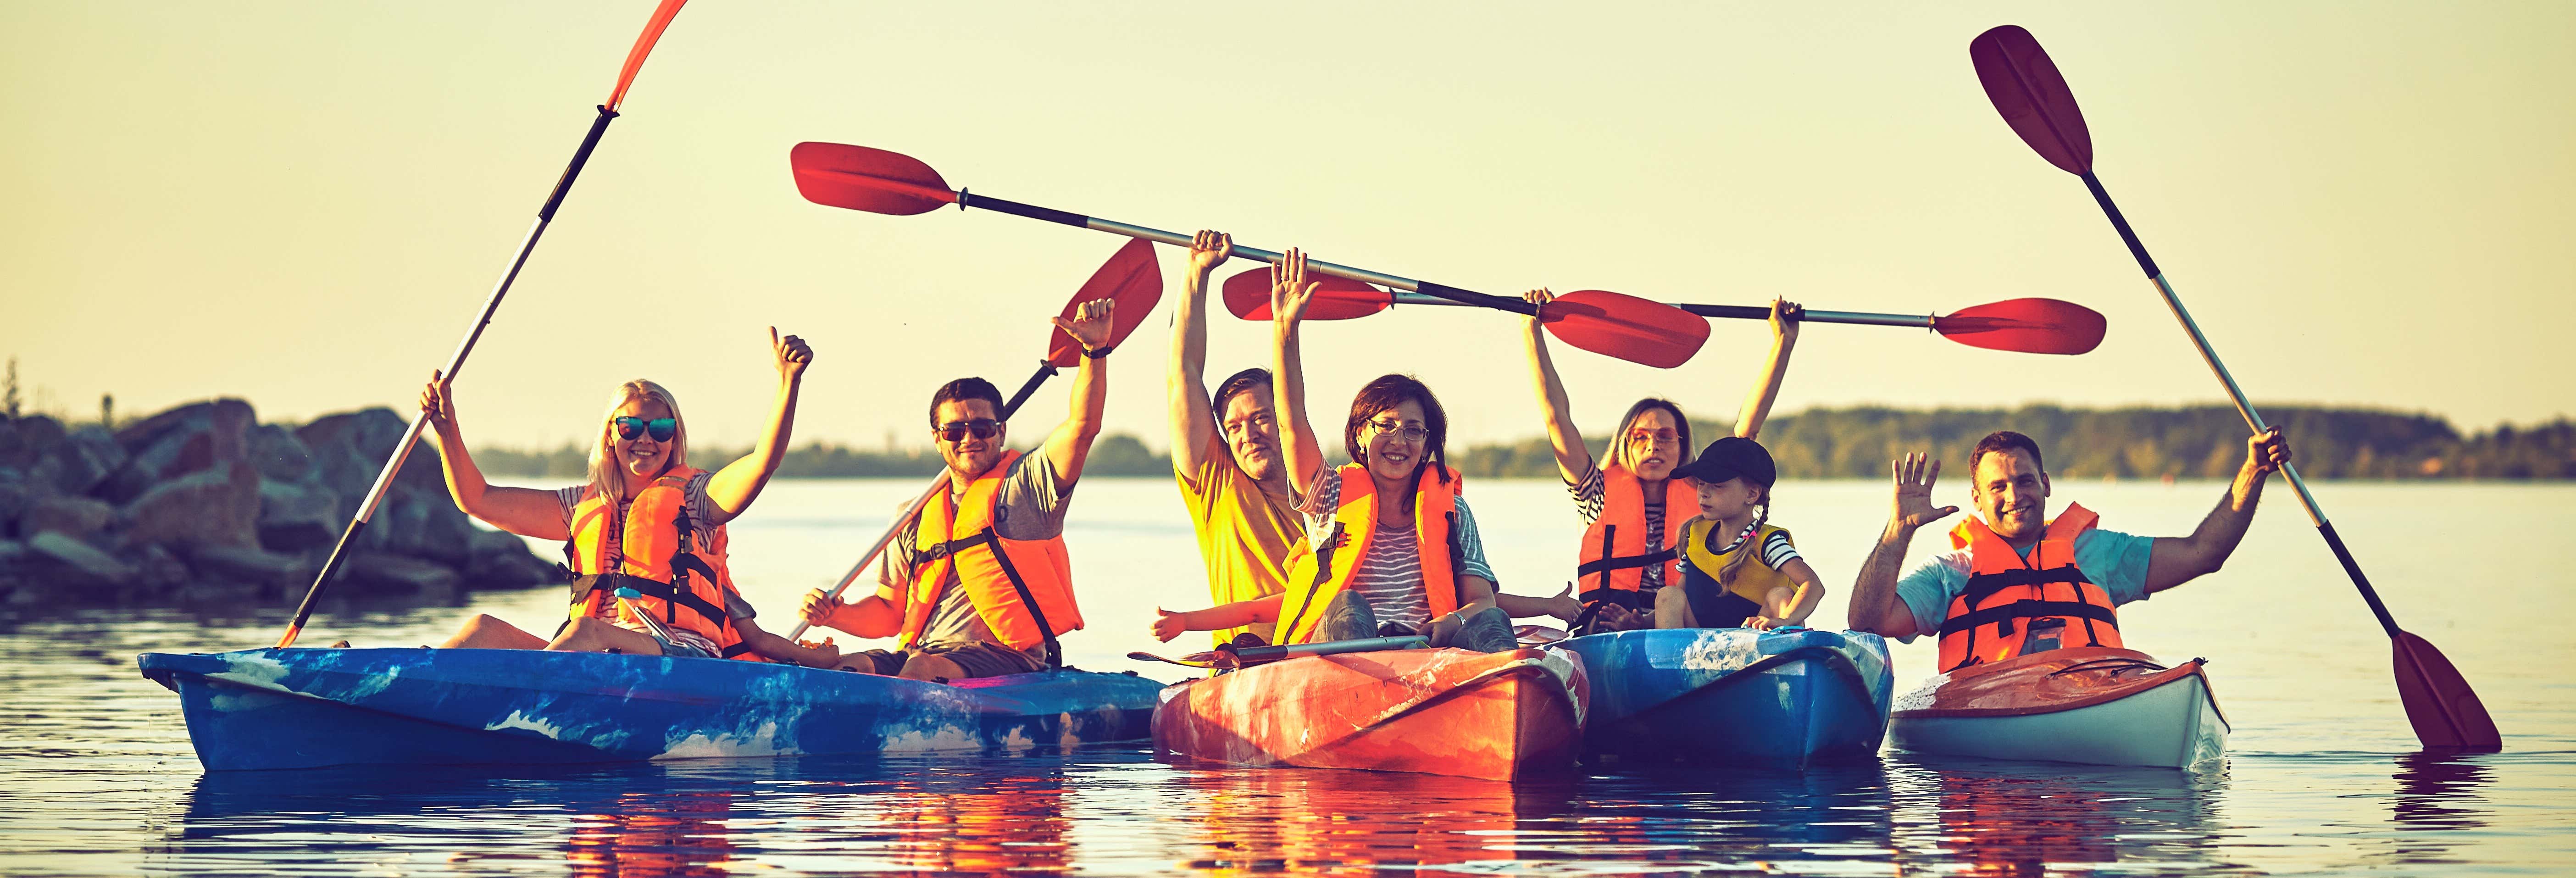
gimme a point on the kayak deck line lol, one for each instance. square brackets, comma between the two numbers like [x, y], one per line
[2088, 705]
[1789, 698]
[1439, 711]
[301, 708]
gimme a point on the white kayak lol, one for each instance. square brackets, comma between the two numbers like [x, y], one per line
[2090, 705]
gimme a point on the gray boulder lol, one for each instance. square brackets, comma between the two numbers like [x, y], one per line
[296, 516]
[279, 455]
[377, 574]
[73, 564]
[500, 560]
[213, 507]
[27, 440]
[77, 517]
[84, 458]
[182, 441]
[271, 571]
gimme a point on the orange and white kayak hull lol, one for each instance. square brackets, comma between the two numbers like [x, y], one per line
[2090, 705]
[1440, 711]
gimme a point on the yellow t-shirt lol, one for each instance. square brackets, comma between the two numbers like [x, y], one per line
[1247, 537]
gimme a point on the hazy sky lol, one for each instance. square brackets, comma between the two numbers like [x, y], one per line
[303, 203]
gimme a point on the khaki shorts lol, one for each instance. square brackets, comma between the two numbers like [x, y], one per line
[977, 658]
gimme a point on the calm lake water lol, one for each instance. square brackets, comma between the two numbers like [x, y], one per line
[97, 777]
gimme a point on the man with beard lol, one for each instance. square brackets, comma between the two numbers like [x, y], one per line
[2019, 582]
[1225, 452]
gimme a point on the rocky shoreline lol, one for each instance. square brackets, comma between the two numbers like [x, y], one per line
[202, 505]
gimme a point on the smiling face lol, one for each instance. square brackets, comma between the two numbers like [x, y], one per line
[1391, 456]
[1652, 444]
[2011, 493]
[641, 456]
[1252, 432]
[969, 455]
[1733, 498]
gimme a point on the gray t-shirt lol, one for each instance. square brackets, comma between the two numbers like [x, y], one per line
[1029, 508]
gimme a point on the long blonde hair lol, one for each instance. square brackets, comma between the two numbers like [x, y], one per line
[1681, 429]
[604, 476]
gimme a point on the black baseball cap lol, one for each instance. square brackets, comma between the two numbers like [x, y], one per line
[1730, 457]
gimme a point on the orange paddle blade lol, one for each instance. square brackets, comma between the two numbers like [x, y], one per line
[1247, 295]
[1131, 279]
[861, 178]
[643, 46]
[2445, 712]
[2030, 326]
[2025, 87]
[1619, 325]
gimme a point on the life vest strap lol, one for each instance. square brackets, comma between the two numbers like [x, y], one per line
[1984, 585]
[657, 589]
[734, 650]
[952, 547]
[1046, 631]
[2030, 609]
[1624, 562]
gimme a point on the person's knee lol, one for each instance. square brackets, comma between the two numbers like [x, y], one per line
[1672, 608]
[930, 668]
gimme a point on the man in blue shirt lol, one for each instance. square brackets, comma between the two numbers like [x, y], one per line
[2010, 491]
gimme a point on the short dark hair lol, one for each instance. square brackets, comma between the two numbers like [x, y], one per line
[1239, 382]
[965, 389]
[2003, 440]
[1387, 392]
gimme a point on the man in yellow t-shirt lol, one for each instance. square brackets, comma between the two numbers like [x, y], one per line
[1225, 452]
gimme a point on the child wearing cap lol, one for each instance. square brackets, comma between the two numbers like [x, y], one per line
[1737, 568]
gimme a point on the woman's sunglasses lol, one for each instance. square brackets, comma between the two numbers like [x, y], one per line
[662, 428]
[955, 431]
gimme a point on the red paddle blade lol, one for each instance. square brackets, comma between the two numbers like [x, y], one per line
[1131, 279]
[2030, 326]
[1618, 325]
[643, 46]
[2445, 712]
[873, 180]
[2025, 88]
[1336, 298]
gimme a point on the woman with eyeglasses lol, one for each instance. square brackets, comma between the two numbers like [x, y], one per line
[1633, 509]
[1391, 546]
[646, 522]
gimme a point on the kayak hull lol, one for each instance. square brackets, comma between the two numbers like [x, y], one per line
[306, 708]
[1736, 697]
[1438, 711]
[2089, 705]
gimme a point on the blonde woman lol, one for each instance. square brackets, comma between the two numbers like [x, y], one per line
[646, 522]
[1633, 509]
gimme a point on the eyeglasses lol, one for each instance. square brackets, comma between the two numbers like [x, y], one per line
[955, 431]
[1647, 437]
[663, 429]
[1406, 432]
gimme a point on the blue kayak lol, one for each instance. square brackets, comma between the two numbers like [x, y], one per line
[303, 708]
[1735, 696]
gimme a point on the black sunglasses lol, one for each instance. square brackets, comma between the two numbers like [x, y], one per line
[663, 429]
[955, 431]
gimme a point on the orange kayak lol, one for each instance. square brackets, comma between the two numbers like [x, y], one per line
[2094, 705]
[1439, 711]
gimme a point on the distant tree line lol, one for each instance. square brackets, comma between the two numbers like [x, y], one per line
[2138, 442]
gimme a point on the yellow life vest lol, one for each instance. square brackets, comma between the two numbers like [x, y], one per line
[1753, 582]
[1321, 574]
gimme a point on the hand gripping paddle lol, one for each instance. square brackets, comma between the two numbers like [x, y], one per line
[2026, 88]
[546, 214]
[1596, 319]
[1130, 278]
[877, 181]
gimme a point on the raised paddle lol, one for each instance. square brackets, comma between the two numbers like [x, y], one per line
[2026, 88]
[2030, 326]
[402, 450]
[1130, 278]
[877, 181]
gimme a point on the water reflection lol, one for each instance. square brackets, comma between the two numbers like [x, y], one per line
[2437, 794]
[2030, 819]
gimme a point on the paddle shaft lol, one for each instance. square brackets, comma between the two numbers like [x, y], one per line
[1732, 312]
[456, 363]
[2244, 406]
[1045, 371]
[1442, 291]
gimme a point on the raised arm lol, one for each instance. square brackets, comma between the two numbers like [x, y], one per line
[1290, 293]
[1573, 460]
[527, 512]
[1070, 444]
[2177, 560]
[733, 488]
[1193, 424]
[1875, 608]
[1784, 336]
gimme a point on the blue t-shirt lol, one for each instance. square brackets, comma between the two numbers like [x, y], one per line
[2115, 561]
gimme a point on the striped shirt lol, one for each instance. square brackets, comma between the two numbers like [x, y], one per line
[1775, 551]
[1589, 492]
[1390, 575]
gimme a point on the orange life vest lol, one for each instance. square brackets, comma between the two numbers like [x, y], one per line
[2012, 606]
[677, 567]
[1613, 554]
[1319, 575]
[1023, 589]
